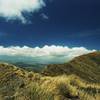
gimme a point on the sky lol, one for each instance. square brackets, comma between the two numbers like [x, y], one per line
[48, 31]
[72, 23]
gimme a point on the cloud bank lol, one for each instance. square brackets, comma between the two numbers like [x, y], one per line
[44, 55]
[13, 9]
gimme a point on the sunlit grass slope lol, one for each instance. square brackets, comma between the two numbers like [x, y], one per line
[19, 84]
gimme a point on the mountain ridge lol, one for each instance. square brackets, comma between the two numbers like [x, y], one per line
[86, 66]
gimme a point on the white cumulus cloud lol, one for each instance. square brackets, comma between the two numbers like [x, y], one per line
[13, 9]
[44, 55]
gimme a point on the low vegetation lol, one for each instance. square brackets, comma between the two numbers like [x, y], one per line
[20, 84]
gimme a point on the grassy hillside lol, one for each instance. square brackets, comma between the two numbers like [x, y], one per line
[86, 66]
[19, 84]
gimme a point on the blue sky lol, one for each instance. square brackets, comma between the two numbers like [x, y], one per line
[70, 23]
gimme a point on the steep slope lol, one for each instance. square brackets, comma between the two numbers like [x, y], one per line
[86, 66]
[19, 84]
